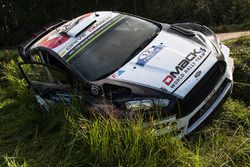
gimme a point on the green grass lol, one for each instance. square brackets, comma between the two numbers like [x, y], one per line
[64, 137]
[231, 28]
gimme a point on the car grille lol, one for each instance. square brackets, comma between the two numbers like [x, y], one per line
[203, 88]
[209, 103]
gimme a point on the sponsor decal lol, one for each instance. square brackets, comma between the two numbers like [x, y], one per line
[210, 95]
[92, 28]
[78, 39]
[92, 37]
[197, 74]
[148, 54]
[53, 41]
[69, 25]
[94, 89]
[82, 36]
[185, 66]
[117, 74]
[58, 97]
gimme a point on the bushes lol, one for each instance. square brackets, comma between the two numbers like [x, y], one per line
[22, 18]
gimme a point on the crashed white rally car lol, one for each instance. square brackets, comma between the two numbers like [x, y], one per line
[176, 72]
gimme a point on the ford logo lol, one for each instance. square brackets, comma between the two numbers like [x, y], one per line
[197, 74]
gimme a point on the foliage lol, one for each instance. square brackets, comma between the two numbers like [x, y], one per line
[22, 18]
[231, 28]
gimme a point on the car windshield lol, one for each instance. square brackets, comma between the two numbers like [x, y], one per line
[114, 48]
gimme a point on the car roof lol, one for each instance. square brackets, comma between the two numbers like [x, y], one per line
[66, 38]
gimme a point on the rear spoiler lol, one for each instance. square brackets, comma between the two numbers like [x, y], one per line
[22, 49]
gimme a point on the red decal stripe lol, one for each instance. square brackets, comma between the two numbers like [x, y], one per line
[55, 42]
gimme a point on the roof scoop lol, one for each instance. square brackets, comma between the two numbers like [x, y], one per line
[182, 30]
[80, 26]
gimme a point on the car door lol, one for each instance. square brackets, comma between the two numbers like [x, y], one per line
[50, 84]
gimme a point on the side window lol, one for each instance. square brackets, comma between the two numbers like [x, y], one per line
[42, 56]
[43, 73]
[36, 56]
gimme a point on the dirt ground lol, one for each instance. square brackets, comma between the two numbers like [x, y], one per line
[232, 35]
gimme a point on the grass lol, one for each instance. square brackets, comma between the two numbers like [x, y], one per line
[65, 137]
[231, 28]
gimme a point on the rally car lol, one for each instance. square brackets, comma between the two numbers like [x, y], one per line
[176, 74]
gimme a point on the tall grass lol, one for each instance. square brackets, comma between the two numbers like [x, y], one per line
[65, 137]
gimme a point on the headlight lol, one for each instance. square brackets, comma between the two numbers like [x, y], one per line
[139, 105]
[148, 104]
[161, 102]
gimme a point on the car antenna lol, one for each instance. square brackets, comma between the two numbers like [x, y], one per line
[35, 35]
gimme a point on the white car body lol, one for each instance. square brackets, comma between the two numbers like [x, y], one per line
[172, 63]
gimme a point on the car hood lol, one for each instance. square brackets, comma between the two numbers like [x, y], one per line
[170, 63]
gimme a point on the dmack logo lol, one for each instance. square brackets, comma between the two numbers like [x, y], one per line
[148, 54]
[189, 58]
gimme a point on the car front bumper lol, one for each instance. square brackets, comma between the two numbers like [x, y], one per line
[189, 123]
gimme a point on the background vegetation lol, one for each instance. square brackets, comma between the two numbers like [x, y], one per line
[64, 137]
[20, 18]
